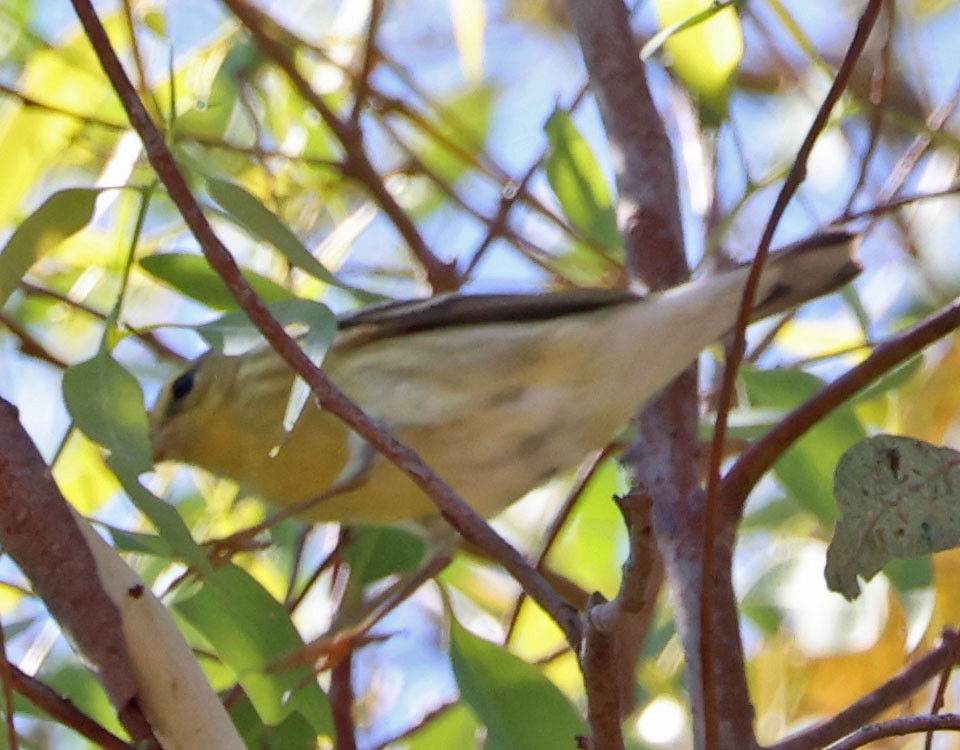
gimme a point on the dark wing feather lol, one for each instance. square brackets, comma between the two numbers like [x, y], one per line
[400, 318]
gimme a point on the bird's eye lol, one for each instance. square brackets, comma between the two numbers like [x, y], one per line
[183, 385]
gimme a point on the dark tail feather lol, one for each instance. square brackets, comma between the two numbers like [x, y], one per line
[809, 269]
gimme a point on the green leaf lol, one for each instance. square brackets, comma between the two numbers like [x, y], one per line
[192, 275]
[520, 707]
[580, 185]
[454, 728]
[248, 212]
[293, 733]
[214, 114]
[451, 146]
[141, 544]
[898, 498]
[911, 574]
[805, 468]
[62, 215]
[249, 630]
[106, 403]
[164, 517]
[375, 552]
[236, 329]
[86, 693]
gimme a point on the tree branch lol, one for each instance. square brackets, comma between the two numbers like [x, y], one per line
[39, 532]
[666, 447]
[715, 557]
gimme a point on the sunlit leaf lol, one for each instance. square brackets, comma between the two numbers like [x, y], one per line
[705, 44]
[931, 401]
[249, 630]
[469, 24]
[248, 212]
[82, 474]
[946, 613]
[454, 728]
[521, 708]
[85, 692]
[192, 275]
[451, 145]
[34, 141]
[805, 469]
[580, 184]
[214, 112]
[62, 215]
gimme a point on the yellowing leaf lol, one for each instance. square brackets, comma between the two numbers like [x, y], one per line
[777, 684]
[704, 54]
[63, 214]
[833, 683]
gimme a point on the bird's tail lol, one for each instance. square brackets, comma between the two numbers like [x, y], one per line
[808, 269]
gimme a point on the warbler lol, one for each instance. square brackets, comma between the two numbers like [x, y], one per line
[498, 393]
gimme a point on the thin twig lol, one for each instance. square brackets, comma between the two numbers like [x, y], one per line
[735, 353]
[441, 275]
[898, 728]
[62, 709]
[30, 345]
[894, 691]
[341, 703]
[361, 83]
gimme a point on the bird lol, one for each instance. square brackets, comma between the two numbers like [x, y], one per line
[498, 393]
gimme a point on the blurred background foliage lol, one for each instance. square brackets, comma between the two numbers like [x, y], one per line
[479, 127]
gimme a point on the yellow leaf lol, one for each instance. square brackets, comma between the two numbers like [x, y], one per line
[834, 682]
[777, 683]
[706, 54]
[946, 609]
[469, 24]
[82, 475]
[931, 401]
[819, 338]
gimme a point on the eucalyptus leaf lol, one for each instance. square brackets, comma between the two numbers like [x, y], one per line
[580, 184]
[106, 403]
[60, 216]
[249, 630]
[192, 276]
[521, 708]
[235, 330]
[248, 212]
